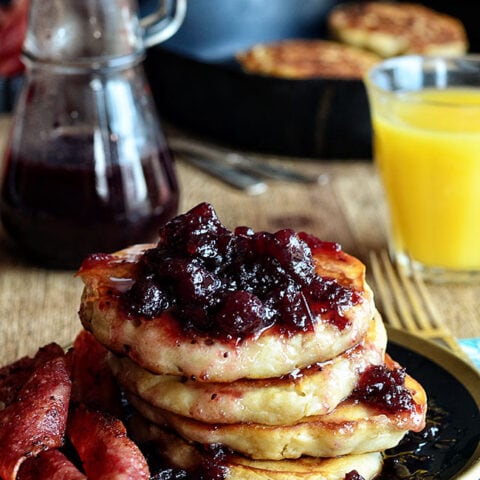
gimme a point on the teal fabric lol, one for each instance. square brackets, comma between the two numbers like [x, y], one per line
[472, 349]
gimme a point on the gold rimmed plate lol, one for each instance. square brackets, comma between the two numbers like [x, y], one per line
[449, 446]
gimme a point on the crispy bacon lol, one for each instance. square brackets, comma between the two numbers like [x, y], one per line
[93, 382]
[49, 465]
[36, 418]
[104, 448]
[14, 375]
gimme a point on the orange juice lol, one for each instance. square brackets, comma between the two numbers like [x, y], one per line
[427, 148]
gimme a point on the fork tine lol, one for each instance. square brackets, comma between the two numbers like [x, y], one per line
[427, 318]
[411, 288]
[410, 298]
[406, 316]
[382, 290]
[438, 329]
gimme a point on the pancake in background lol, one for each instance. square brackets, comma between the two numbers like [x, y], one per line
[391, 29]
[315, 390]
[301, 59]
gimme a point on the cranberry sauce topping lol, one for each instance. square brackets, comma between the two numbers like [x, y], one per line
[354, 475]
[213, 466]
[232, 284]
[384, 389]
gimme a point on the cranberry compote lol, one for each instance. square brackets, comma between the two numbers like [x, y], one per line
[234, 284]
[384, 389]
[353, 475]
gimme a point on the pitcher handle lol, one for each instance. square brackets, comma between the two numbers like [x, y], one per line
[163, 23]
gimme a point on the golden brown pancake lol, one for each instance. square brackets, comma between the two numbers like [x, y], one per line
[354, 427]
[391, 29]
[315, 390]
[178, 453]
[301, 59]
[160, 346]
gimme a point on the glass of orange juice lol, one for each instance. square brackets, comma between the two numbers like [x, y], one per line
[426, 140]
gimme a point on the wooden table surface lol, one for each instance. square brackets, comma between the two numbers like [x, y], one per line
[38, 306]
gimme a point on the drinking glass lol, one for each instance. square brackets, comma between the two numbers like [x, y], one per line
[426, 140]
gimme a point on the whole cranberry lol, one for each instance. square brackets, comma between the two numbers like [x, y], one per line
[146, 298]
[191, 281]
[240, 314]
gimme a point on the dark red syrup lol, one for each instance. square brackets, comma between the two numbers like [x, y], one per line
[235, 284]
[61, 205]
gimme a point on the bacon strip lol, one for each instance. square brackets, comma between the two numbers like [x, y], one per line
[36, 419]
[14, 375]
[104, 448]
[49, 465]
[93, 382]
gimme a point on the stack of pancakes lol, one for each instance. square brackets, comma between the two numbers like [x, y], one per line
[282, 405]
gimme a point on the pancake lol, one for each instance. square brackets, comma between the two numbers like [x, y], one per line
[391, 29]
[162, 347]
[301, 59]
[315, 390]
[354, 427]
[178, 453]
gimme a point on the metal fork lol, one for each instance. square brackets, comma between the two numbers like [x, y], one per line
[407, 304]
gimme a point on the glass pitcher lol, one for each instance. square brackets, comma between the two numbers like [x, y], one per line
[87, 168]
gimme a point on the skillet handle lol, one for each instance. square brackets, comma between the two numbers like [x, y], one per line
[164, 22]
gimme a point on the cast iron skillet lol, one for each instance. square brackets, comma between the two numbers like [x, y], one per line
[199, 86]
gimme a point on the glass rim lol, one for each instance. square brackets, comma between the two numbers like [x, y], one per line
[449, 63]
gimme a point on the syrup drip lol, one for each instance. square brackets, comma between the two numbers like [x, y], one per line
[411, 458]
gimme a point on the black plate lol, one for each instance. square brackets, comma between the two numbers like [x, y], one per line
[449, 447]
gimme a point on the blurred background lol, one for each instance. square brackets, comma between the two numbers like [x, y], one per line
[199, 87]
